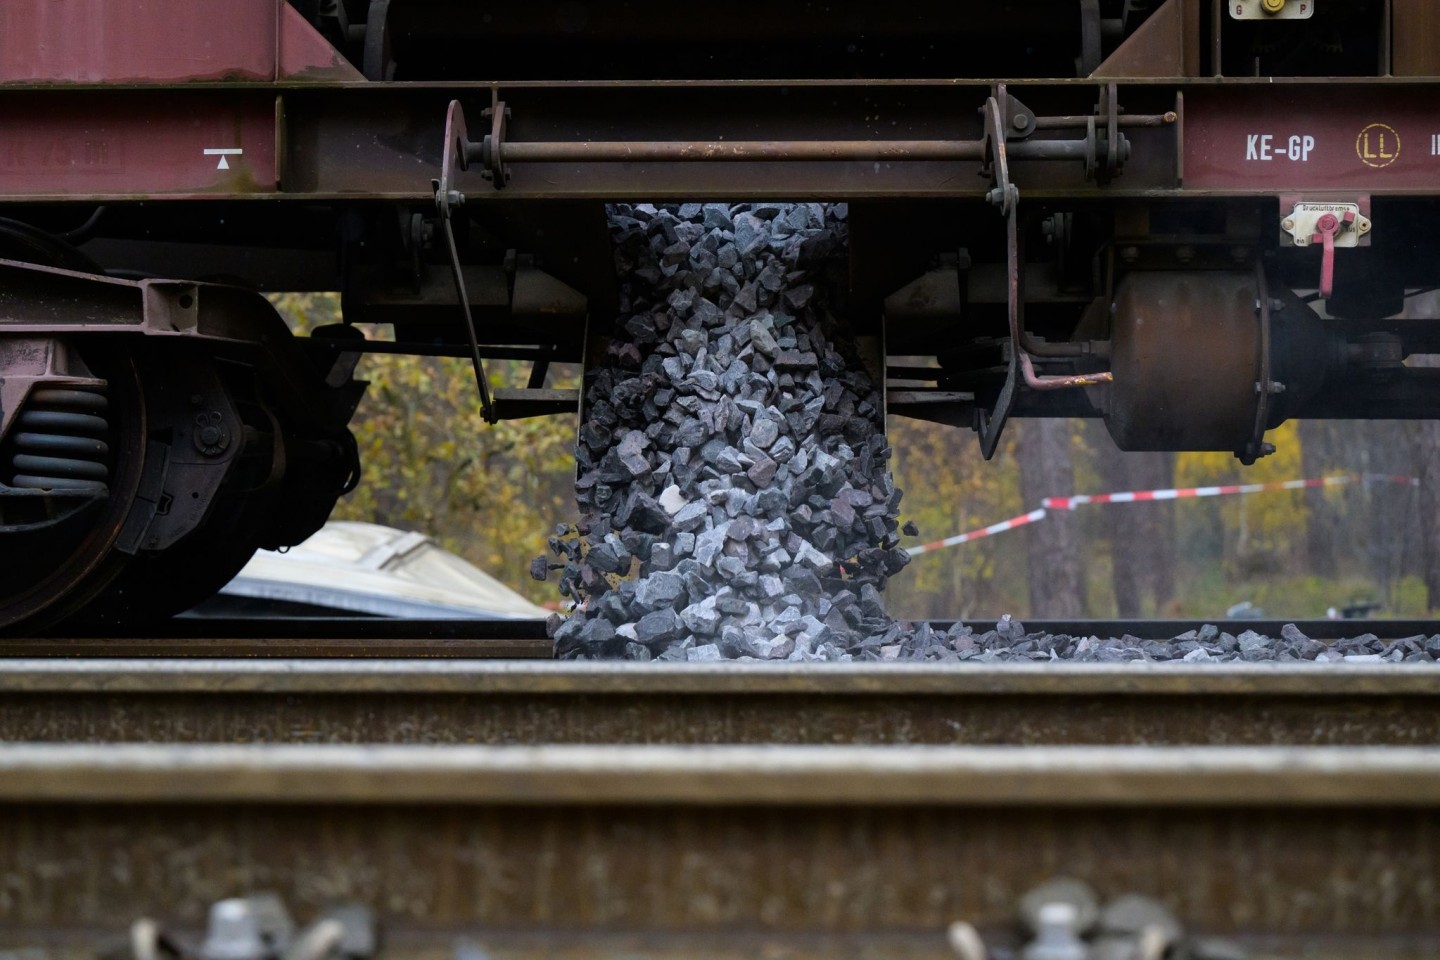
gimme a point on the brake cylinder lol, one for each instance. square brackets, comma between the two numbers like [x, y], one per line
[1191, 371]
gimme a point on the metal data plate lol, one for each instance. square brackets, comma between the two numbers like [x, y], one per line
[1256, 10]
[1300, 226]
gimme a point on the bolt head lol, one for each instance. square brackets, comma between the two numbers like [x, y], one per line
[1288, 223]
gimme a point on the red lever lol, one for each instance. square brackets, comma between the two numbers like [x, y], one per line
[1327, 228]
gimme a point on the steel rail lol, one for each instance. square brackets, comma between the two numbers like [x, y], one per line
[544, 702]
[226, 677]
[727, 775]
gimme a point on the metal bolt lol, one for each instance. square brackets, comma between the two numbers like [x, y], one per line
[1272, 7]
[1288, 223]
[1020, 121]
[1364, 226]
[1130, 254]
[211, 438]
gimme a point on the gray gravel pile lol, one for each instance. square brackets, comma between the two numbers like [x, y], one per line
[733, 482]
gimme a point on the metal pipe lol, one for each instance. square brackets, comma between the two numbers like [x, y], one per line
[1059, 383]
[605, 151]
[1030, 344]
[1137, 120]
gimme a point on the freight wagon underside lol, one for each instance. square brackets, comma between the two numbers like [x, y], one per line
[1135, 233]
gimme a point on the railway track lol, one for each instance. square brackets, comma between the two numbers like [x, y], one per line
[732, 810]
[537, 703]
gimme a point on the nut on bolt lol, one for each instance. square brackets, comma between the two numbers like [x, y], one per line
[210, 437]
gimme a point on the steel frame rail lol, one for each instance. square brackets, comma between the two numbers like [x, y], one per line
[716, 140]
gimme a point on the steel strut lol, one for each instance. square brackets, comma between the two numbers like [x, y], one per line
[1006, 196]
[446, 197]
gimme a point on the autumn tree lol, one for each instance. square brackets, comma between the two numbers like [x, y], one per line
[1044, 452]
[949, 488]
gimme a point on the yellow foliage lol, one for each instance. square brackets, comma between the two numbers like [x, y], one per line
[950, 489]
[1265, 532]
[489, 493]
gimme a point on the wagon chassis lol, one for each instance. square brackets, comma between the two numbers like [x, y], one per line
[1007, 237]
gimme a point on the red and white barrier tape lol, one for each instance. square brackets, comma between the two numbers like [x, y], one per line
[1146, 496]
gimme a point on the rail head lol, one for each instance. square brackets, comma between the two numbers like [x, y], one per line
[825, 776]
[223, 676]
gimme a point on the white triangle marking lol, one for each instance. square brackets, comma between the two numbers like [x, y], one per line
[223, 164]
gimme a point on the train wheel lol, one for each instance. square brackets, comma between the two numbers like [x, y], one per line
[156, 586]
[69, 473]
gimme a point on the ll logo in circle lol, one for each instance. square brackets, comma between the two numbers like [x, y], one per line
[1378, 145]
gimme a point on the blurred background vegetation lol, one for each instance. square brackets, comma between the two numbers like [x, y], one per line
[494, 494]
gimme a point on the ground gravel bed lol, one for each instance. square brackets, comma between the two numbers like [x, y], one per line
[1009, 642]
